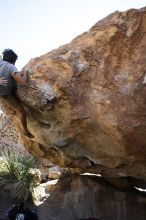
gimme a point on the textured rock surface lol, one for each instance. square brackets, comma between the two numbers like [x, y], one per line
[86, 101]
[9, 135]
[81, 197]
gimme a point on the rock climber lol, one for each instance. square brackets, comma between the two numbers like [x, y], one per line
[9, 78]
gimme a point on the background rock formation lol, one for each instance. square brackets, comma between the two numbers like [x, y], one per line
[86, 101]
[9, 136]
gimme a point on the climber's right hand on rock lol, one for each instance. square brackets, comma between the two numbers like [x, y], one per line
[3, 81]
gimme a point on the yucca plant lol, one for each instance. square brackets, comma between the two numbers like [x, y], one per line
[14, 174]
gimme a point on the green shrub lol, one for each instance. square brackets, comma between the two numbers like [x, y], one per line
[14, 174]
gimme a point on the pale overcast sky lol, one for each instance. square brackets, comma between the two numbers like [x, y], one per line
[34, 27]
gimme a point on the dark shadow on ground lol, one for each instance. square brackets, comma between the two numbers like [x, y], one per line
[6, 202]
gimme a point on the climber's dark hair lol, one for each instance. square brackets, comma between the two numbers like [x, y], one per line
[9, 56]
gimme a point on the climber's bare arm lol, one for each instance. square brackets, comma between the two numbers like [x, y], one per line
[23, 79]
[3, 81]
[19, 78]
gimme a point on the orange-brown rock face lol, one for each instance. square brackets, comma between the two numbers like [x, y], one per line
[86, 101]
[84, 198]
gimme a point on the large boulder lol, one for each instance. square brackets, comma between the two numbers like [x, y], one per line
[80, 198]
[86, 100]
